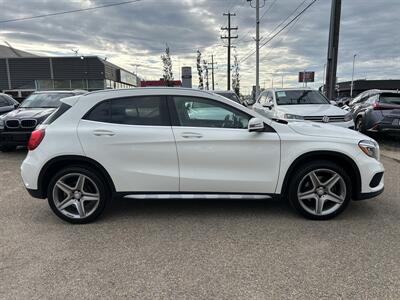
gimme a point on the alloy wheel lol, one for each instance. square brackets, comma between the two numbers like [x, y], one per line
[322, 192]
[76, 196]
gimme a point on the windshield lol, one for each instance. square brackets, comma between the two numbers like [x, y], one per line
[390, 99]
[231, 96]
[300, 97]
[43, 100]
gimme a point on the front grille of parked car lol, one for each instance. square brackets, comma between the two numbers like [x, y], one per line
[12, 124]
[29, 123]
[24, 124]
[332, 119]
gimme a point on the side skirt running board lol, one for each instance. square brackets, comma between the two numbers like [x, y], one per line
[197, 196]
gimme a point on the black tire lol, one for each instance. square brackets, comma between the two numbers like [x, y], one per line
[360, 127]
[7, 148]
[103, 190]
[302, 172]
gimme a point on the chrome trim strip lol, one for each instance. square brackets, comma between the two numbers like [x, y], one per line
[196, 196]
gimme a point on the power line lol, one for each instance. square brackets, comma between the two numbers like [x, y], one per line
[268, 9]
[68, 11]
[277, 26]
[282, 29]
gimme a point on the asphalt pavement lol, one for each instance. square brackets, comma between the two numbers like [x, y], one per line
[198, 249]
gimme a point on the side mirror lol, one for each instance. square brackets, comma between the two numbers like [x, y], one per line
[16, 105]
[269, 104]
[256, 124]
[333, 102]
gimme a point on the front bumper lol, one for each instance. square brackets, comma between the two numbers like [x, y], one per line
[365, 196]
[14, 138]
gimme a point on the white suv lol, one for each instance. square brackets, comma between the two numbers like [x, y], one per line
[302, 104]
[183, 143]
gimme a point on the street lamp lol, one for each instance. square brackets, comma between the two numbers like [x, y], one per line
[352, 76]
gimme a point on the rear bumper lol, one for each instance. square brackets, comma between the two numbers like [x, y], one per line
[14, 138]
[388, 125]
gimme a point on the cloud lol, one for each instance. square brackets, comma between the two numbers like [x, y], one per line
[136, 34]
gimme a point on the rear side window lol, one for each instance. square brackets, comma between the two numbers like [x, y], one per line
[148, 110]
[388, 98]
[57, 113]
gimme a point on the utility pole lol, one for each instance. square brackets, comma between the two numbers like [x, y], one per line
[323, 81]
[333, 48]
[257, 7]
[352, 76]
[212, 71]
[229, 38]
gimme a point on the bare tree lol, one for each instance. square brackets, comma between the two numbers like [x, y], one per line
[167, 67]
[200, 70]
[236, 76]
[205, 74]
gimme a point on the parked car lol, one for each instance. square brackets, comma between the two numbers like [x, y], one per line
[301, 105]
[230, 95]
[7, 103]
[343, 101]
[144, 143]
[17, 125]
[377, 111]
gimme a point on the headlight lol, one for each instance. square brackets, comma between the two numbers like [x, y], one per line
[293, 117]
[370, 148]
[348, 117]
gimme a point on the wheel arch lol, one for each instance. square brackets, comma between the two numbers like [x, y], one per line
[338, 158]
[55, 164]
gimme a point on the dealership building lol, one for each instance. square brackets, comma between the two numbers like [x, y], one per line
[21, 73]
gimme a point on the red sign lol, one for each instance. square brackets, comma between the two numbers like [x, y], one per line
[175, 83]
[306, 76]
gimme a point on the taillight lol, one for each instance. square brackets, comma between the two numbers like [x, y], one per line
[35, 139]
[376, 106]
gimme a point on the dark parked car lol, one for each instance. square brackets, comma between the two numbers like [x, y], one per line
[17, 125]
[377, 111]
[230, 95]
[7, 103]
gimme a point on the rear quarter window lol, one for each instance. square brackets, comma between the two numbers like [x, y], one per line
[57, 113]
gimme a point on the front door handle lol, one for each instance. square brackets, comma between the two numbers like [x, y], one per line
[191, 135]
[102, 132]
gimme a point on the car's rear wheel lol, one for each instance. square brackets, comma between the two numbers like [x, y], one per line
[320, 190]
[77, 195]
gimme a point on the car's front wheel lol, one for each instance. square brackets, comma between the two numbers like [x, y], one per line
[320, 190]
[77, 195]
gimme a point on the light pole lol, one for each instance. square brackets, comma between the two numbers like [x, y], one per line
[323, 81]
[257, 7]
[352, 76]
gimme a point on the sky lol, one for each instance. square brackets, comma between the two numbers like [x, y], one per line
[134, 36]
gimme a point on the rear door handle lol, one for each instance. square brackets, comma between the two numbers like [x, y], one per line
[191, 135]
[102, 132]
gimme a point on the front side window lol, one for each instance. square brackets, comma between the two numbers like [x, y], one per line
[3, 102]
[295, 97]
[130, 111]
[201, 112]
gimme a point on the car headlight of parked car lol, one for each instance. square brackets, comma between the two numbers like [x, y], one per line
[348, 117]
[370, 148]
[293, 117]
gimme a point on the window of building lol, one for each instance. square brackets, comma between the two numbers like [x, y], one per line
[95, 84]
